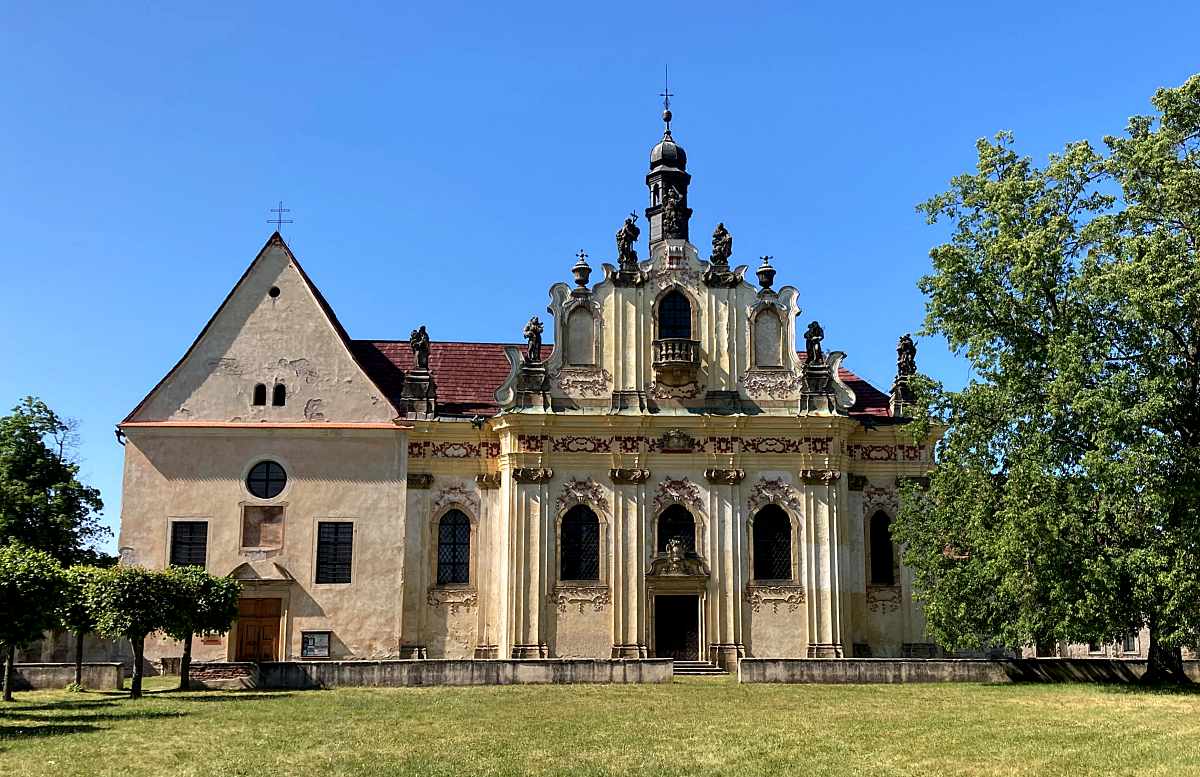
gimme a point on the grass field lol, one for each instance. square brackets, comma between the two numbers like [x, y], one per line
[695, 726]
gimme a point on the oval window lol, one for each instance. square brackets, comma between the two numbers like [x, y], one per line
[266, 480]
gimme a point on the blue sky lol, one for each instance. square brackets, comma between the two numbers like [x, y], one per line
[444, 164]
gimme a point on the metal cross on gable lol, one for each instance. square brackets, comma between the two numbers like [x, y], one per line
[278, 219]
[666, 92]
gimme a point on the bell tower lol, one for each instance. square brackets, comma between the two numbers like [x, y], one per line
[668, 181]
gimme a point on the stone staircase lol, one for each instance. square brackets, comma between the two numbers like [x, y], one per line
[698, 669]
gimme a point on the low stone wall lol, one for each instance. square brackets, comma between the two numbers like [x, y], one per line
[961, 670]
[333, 674]
[222, 674]
[100, 677]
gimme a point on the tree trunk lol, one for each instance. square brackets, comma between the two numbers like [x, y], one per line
[135, 684]
[185, 665]
[1164, 663]
[79, 659]
[10, 670]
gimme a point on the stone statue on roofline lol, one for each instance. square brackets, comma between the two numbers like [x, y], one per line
[812, 343]
[533, 341]
[722, 246]
[419, 342]
[627, 237]
[906, 357]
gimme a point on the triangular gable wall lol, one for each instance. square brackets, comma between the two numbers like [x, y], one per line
[291, 338]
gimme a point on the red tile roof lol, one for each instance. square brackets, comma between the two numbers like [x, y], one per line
[468, 374]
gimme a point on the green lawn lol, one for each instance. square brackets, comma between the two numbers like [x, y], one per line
[695, 726]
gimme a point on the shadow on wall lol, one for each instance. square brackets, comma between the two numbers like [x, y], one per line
[58, 647]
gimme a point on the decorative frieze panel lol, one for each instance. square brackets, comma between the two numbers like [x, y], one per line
[774, 491]
[884, 598]
[583, 381]
[784, 594]
[771, 384]
[581, 444]
[454, 493]
[885, 452]
[586, 492]
[682, 491]
[565, 596]
[689, 390]
[453, 449]
[532, 474]
[531, 443]
[453, 598]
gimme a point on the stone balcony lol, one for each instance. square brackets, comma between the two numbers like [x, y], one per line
[676, 360]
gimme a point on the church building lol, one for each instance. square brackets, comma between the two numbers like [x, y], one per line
[682, 473]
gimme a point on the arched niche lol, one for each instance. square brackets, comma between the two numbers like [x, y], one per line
[769, 340]
[580, 337]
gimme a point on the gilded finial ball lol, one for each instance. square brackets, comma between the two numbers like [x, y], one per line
[667, 116]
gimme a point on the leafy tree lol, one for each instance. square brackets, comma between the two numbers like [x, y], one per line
[42, 502]
[130, 602]
[30, 581]
[1065, 505]
[75, 611]
[204, 603]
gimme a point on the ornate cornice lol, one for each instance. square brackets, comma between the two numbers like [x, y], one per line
[420, 480]
[725, 477]
[532, 474]
[627, 477]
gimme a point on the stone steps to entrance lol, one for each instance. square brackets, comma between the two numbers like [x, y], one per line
[697, 669]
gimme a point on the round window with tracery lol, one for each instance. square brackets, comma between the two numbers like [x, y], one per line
[266, 480]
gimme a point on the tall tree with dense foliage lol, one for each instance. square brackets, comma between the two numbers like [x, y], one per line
[75, 611]
[43, 504]
[30, 582]
[204, 603]
[128, 603]
[1065, 505]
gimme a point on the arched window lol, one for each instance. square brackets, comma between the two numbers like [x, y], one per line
[579, 551]
[454, 549]
[772, 544]
[260, 395]
[674, 316]
[768, 339]
[581, 338]
[676, 521]
[279, 395]
[882, 570]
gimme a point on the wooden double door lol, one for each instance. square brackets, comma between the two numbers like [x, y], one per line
[258, 629]
[677, 627]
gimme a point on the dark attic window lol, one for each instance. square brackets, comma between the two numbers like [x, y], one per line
[279, 395]
[274, 292]
[260, 395]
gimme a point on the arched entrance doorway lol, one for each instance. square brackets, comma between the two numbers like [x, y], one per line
[676, 586]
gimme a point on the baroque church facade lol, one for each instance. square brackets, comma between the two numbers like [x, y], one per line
[681, 474]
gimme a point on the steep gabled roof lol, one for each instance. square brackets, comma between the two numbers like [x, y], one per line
[274, 241]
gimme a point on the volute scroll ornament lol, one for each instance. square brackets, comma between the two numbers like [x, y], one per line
[791, 596]
[682, 491]
[725, 477]
[567, 595]
[774, 491]
[455, 493]
[532, 474]
[819, 477]
[622, 476]
[582, 492]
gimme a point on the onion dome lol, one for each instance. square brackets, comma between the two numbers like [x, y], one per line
[668, 153]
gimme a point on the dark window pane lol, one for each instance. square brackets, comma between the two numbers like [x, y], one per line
[335, 551]
[189, 543]
[260, 394]
[882, 569]
[772, 544]
[580, 551]
[454, 549]
[676, 521]
[279, 395]
[266, 480]
[674, 316]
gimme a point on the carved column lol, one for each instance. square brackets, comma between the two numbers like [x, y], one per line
[629, 574]
[724, 520]
[530, 499]
[824, 498]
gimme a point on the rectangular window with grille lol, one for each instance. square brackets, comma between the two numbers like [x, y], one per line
[189, 543]
[335, 551]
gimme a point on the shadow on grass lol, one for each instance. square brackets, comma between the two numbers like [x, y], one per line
[231, 696]
[57, 705]
[45, 730]
[1154, 689]
[48, 716]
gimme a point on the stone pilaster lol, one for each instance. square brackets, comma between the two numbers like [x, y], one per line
[530, 500]
[824, 500]
[725, 519]
[628, 575]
